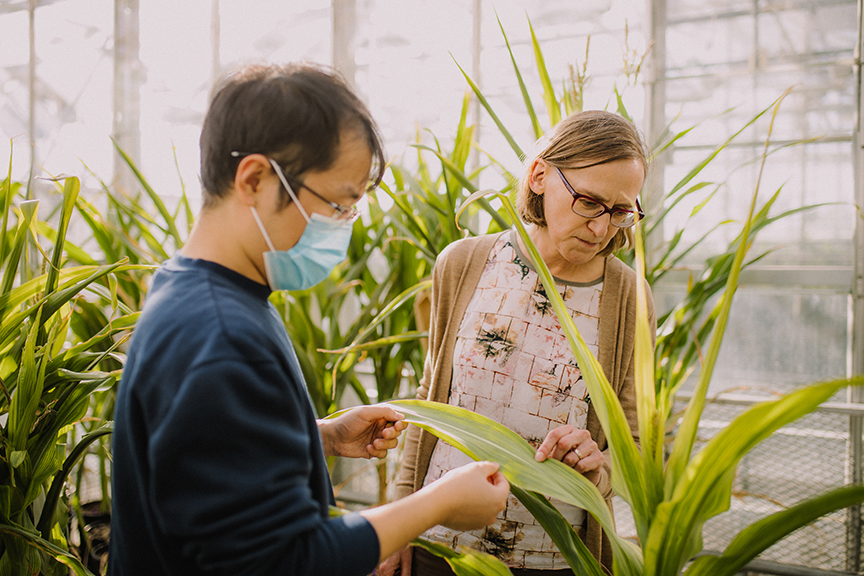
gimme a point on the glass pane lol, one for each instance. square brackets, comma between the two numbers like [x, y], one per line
[779, 340]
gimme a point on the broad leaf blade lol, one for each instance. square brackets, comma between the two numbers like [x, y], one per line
[466, 562]
[705, 487]
[761, 535]
[568, 542]
[484, 439]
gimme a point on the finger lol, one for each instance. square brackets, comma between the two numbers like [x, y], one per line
[393, 429]
[590, 463]
[385, 444]
[499, 480]
[564, 438]
[377, 411]
[573, 457]
[372, 452]
[489, 468]
[549, 443]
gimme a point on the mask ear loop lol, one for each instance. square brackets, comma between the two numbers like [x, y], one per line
[261, 227]
[290, 190]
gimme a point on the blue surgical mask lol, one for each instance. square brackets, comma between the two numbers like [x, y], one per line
[322, 246]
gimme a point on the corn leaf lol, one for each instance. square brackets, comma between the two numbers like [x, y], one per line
[651, 420]
[25, 399]
[687, 432]
[529, 106]
[706, 486]
[52, 550]
[154, 197]
[556, 526]
[552, 107]
[70, 193]
[26, 215]
[466, 562]
[485, 103]
[761, 535]
[484, 439]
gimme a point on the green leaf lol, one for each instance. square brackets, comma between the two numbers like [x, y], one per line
[484, 439]
[529, 106]
[75, 456]
[70, 193]
[706, 485]
[53, 550]
[761, 535]
[154, 197]
[651, 420]
[485, 103]
[17, 457]
[27, 214]
[556, 526]
[466, 562]
[25, 399]
[687, 431]
[552, 107]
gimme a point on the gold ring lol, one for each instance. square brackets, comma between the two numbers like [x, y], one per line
[578, 453]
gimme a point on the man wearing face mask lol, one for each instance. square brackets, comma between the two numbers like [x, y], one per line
[218, 461]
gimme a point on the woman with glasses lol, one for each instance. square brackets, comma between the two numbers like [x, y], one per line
[496, 347]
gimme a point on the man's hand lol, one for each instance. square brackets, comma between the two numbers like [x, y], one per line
[471, 496]
[362, 432]
[398, 564]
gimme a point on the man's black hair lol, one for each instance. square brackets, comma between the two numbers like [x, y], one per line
[294, 114]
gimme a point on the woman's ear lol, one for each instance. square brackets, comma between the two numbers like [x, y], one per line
[251, 173]
[537, 176]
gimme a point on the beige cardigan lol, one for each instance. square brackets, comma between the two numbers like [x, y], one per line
[455, 277]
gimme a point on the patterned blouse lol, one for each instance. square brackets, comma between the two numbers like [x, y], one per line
[513, 364]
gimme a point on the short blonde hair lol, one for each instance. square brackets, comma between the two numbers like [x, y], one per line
[582, 140]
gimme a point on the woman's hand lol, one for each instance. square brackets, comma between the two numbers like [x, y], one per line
[572, 446]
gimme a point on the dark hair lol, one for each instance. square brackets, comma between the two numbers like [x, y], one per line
[294, 113]
[582, 140]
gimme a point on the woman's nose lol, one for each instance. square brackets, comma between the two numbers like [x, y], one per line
[599, 225]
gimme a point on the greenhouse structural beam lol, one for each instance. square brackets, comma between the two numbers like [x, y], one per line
[344, 31]
[856, 426]
[655, 113]
[127, 91]
[31, 93]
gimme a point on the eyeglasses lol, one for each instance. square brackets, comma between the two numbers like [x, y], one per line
[340, 212]
[588, 207]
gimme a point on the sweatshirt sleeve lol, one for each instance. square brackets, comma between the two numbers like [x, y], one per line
[229, 479]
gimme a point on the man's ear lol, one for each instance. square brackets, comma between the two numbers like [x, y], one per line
[538, 174]
[251, 173]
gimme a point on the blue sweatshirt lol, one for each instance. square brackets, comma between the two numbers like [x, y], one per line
[218, 464]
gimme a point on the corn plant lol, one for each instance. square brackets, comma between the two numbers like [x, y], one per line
[671, 501]
[141, 229]
[47, 379]
[683, 330]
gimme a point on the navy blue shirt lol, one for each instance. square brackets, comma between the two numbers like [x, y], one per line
[218, 464]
